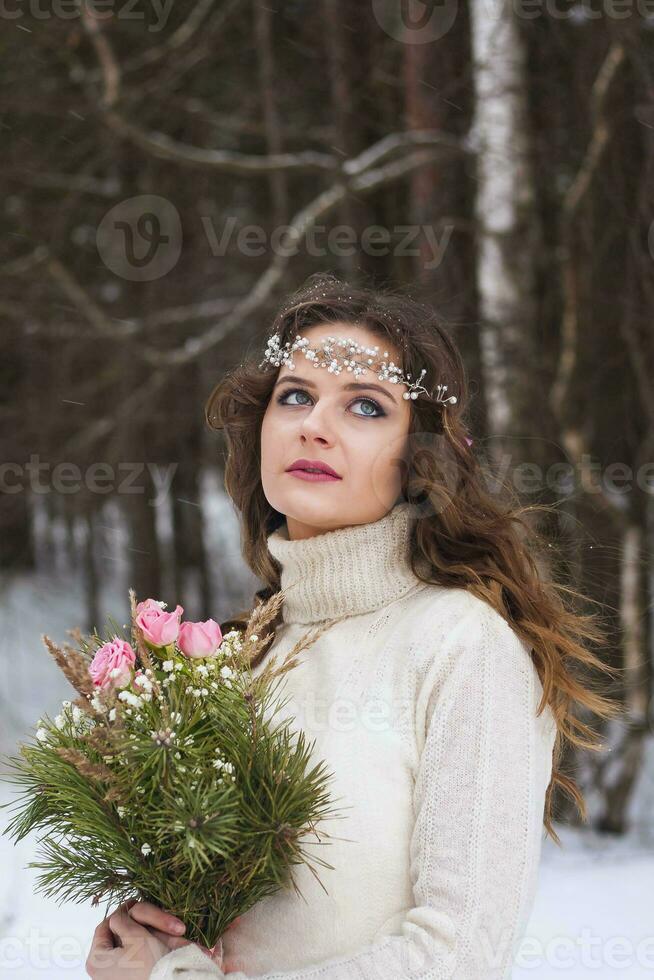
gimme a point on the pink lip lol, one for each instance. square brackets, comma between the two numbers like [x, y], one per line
[303, 464]
[313, 477]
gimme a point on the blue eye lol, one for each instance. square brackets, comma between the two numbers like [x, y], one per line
[282, 400]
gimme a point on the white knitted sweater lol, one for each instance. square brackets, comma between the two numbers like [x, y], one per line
[422, 702]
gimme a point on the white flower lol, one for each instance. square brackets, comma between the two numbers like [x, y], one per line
[121, 810]
[142, 681]
[60, 721]
[112, 714]
[179, 666]
[201, 669]
[228, 683]
[168, 665]
[146, 849]
[66, 704]
[42, 734]
[254, 638]
[226, 671]
[131, 698]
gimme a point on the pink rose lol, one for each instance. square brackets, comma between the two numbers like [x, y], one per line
[159, 627]
[200, 639]
[112, 664]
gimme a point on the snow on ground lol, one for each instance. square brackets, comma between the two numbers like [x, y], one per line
[593, 912]
[38, 938]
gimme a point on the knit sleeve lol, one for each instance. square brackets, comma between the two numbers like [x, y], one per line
[484, 765]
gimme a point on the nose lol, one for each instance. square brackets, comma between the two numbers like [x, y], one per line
[317, 427]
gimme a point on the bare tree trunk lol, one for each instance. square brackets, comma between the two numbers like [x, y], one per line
[507, 241]
[91, 578]
[633, 594]
[441, 202]
[143, 545]
[341, 108]
[618, 779]
[190, 562]
[263, 33]
[423, 111]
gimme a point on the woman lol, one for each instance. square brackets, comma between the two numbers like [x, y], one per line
[440, 690]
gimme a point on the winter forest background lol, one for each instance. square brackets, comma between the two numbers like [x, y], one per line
[171, 170]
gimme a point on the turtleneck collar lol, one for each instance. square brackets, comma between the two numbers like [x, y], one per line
[348, 571]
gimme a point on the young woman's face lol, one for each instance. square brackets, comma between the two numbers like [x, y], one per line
[360, 432]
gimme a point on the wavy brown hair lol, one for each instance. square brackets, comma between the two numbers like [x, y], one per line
[464, 535]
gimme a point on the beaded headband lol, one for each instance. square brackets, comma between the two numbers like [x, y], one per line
[324, 356]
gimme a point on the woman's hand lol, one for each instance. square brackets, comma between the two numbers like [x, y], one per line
[128, 943]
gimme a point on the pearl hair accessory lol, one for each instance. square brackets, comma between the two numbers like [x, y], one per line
[325, 356]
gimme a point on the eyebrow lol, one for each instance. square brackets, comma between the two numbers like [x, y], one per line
[352, 386]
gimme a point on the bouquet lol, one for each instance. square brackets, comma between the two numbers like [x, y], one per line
[167, 780]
